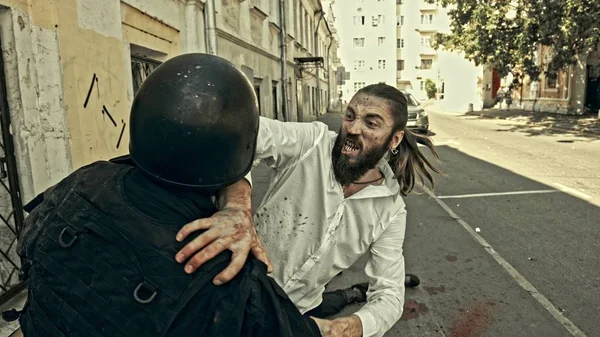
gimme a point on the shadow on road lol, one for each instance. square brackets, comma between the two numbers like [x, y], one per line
[549, 238]
[543, 123]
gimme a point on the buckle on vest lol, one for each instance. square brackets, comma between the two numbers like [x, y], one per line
[61, 241]
[147, 287]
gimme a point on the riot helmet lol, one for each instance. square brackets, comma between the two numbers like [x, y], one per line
[194, 122]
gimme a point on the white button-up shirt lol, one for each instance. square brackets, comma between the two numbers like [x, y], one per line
[311, 232]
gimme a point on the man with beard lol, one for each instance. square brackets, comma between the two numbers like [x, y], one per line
[332, 199]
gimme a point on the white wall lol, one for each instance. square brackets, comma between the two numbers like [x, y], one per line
[372, 52]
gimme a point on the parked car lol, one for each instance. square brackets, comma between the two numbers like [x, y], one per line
[417, 116]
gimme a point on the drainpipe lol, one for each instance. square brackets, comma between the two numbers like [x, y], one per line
[191, 26]
[316, 49]
[283, 61]
[328, 71]
[211, 27]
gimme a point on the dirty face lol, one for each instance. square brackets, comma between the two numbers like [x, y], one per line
[364, 138]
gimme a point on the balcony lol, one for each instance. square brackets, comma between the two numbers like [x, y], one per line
[427, 7]
[427, 51]
[427, 28]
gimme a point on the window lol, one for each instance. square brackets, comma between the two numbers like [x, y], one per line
[399, 2]
[359, 20]
[374, 21]
[359, 41]
[402, 43]
[257, 91]
[313, 99]
[347, 75]
[141, 68]
[426, 42]
[381, 64]
[359, 65]
[275, 103]
[398, 43]
[358, 85]
[551, 80]
[380, 41]
[400, 65]
[427, 19]
[300, 34]
[426, 63]
[422, 85]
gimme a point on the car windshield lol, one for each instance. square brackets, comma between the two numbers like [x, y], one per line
[411, 100]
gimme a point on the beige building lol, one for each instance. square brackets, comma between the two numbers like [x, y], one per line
[576, 90]
[71, 69]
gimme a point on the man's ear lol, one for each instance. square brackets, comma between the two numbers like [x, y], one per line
[396, 139]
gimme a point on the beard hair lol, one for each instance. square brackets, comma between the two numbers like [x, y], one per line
[346, 172]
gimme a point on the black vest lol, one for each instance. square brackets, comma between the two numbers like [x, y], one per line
[96, 267]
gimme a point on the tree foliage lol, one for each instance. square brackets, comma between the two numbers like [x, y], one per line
[507, 33]
[430, 88]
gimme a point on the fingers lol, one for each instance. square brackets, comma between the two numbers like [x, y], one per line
[259, 252]
[192, 227]
[238, 258]
[208, 253]
[198, 243]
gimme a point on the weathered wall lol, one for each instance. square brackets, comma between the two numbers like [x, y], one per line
[58, 52]
[248, 35]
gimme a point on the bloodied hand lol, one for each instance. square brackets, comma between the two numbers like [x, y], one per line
[231, 229]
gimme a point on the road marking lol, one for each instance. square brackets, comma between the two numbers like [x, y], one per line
[494, 194]
[572, 191]
[447, 142]
[521, 280]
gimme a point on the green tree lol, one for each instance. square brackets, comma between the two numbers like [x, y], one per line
[506, 33]
[430, 88]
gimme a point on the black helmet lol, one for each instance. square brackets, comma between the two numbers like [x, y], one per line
[194, 122]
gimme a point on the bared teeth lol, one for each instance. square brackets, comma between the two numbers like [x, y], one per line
[350, 146]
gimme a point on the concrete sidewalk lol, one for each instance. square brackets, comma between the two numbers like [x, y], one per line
[573, 124]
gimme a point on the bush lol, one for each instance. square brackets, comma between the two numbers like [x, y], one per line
[430, 88]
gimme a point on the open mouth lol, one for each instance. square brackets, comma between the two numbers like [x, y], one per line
[350, 147]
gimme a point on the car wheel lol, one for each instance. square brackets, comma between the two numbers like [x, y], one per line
[425, 130]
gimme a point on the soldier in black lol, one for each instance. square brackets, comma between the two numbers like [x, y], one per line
[98, 249]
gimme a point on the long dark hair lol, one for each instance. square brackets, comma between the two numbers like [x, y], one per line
[409, 164]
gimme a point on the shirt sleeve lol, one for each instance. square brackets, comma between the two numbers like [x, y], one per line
[385, 270]
[282, 144]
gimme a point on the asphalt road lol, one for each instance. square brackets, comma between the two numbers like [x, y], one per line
[510, 244]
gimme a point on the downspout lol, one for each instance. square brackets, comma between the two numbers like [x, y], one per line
[191, 23]
[283, 60]
[211, 27]
[316, 49]
[327, 65]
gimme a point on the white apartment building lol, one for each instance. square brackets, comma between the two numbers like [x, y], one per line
[367, 33]
[458, 80]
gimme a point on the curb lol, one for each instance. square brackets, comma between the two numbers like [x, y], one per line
[567, 130]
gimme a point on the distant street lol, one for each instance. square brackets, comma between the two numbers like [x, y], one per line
[510, 246]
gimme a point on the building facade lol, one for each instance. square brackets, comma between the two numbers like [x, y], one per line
[576, 90]
[367, 31]
[459, 82]
[249, 34]
[71, 69]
